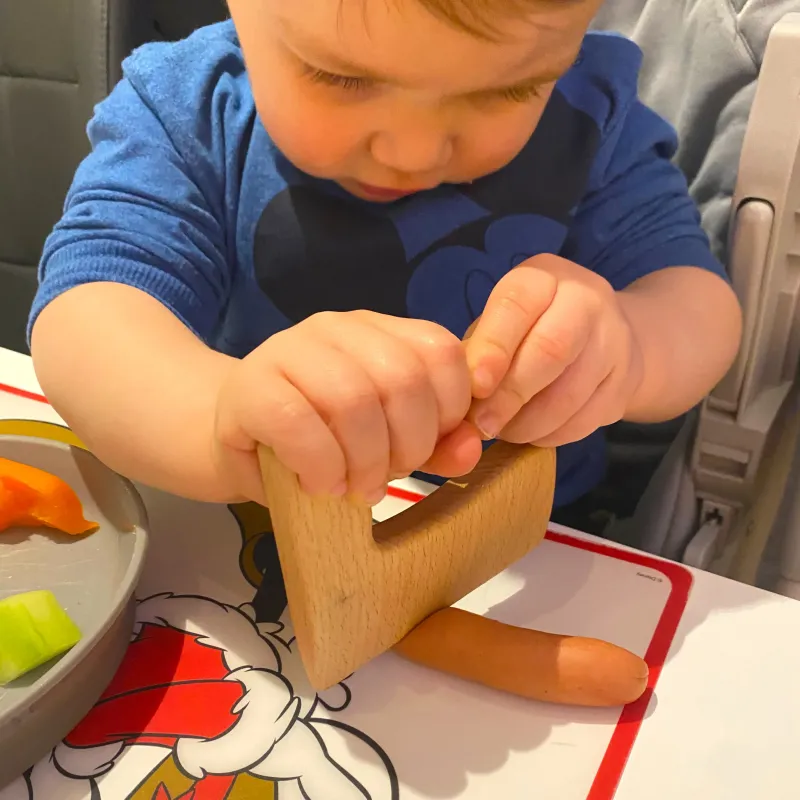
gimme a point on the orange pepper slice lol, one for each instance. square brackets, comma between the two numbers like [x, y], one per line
[31, 497]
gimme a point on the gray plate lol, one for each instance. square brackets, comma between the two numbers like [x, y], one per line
[93, 577]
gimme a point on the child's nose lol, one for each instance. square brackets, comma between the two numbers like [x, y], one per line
[414, 150]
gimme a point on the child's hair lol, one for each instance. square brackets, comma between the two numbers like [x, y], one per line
[477, 17]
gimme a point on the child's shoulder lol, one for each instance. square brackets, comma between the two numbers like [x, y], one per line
[203, 49]
[196, 89]
[602, 86]
[191, 75]
[603, 80]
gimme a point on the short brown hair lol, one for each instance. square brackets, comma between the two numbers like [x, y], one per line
[476, 16]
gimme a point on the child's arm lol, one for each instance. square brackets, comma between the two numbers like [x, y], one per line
[134, 276]
[135, 384]
[687, 324]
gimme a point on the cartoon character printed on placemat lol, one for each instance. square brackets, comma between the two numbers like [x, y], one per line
[212, 703]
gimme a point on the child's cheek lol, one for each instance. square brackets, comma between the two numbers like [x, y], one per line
[494, 141]
[316, 137]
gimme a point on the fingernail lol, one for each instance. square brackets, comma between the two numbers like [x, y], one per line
[482, 378]
[488, 425]
[373, 498]
[339, 490]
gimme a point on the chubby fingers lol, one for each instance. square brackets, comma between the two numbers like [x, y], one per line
[326, 425]
[548, 412]
[443, 358]
[421, 380]
[552, 342]
[515, 305]
[349, 401]
[457, 453]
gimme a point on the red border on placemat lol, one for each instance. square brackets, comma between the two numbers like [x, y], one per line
[23, 393]
[609, 774]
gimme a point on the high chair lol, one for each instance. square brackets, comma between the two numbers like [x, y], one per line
[728, 476]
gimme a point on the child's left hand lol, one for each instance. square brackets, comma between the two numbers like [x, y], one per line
[553, 357]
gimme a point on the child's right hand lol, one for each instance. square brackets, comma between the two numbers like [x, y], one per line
[348, 401]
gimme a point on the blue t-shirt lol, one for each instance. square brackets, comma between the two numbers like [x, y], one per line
[185, 196]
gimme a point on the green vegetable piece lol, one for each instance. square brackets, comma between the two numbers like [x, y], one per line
[33, 630]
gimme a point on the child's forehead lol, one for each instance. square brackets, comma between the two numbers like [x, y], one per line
[387, 35]
[484, 19]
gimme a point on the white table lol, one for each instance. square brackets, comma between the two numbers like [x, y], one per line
[724, 722]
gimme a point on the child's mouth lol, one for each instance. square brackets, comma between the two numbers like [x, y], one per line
[381, 193]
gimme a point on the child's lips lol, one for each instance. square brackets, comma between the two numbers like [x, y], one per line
[382, 193]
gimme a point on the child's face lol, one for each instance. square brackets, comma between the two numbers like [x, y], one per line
[387, 99]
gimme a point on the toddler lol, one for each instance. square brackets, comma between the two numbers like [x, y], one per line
[289, 221]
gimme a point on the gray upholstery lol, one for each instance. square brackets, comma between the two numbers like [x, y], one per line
[53, 58]
[701, 64]
[58, 58]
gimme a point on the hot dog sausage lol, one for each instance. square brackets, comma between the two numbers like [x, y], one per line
[540, 666]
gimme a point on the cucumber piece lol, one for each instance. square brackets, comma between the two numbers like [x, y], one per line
[33, 630]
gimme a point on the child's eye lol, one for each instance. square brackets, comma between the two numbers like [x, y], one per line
[340, 81]
[521, 94]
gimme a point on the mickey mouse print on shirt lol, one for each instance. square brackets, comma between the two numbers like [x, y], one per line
[434, 256]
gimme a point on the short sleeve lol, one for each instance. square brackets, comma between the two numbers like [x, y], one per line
[139, 213]
[637, 216]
